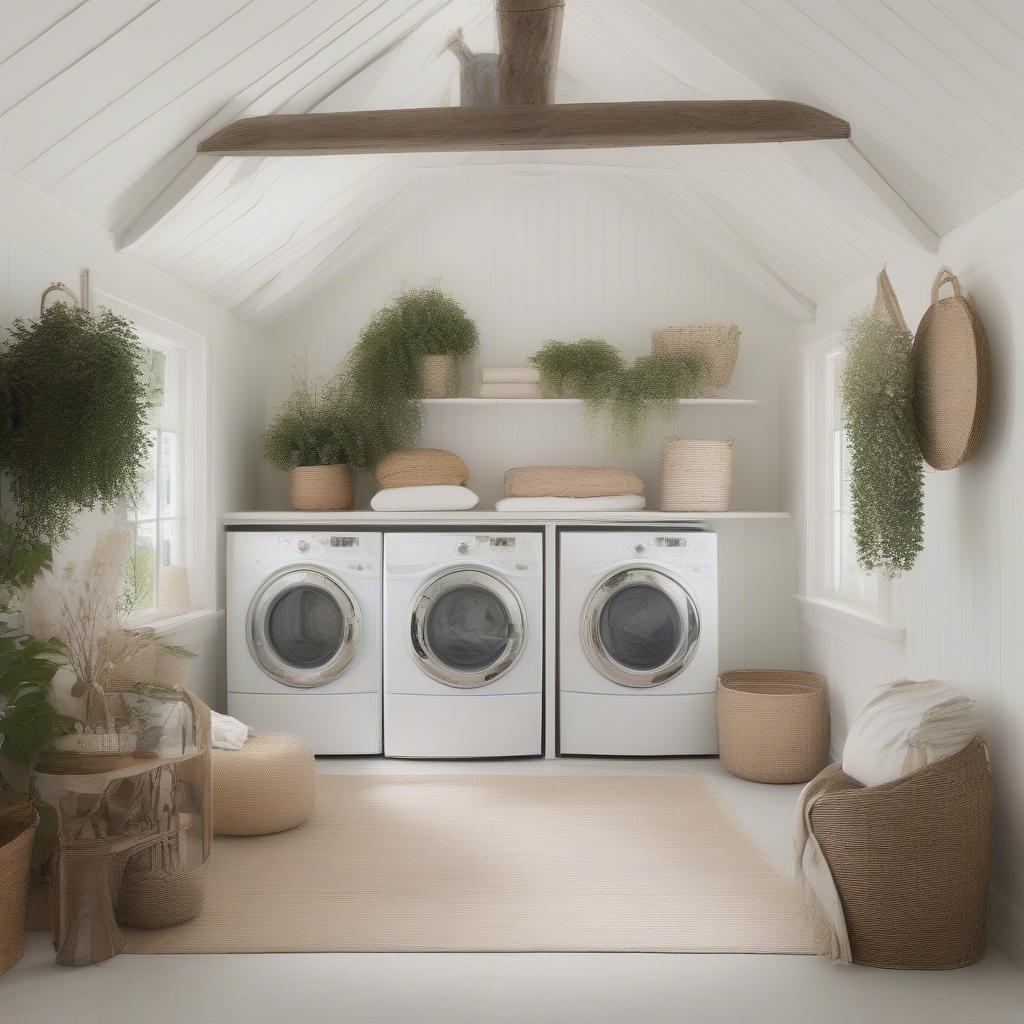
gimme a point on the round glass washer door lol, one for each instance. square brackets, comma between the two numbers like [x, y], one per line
[640, 627]
[467, 628]
[304, 627]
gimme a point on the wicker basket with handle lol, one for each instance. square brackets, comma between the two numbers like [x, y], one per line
[696, 476]
[773, 725]
[720, 343]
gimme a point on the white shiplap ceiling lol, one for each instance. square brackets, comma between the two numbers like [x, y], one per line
[102, 103]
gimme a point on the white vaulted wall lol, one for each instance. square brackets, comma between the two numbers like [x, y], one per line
[568, 257]
[42, 242]
[963, 604]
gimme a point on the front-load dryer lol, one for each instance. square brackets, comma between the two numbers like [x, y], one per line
[637, 642]
[304, 638]
[463, 644]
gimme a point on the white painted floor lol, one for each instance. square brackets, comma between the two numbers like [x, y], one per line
[516, 988]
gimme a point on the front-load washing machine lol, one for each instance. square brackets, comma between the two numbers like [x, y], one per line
[463, 644]
[637, 642]
[303, 636]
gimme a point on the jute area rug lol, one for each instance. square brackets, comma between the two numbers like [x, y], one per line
[497, 863]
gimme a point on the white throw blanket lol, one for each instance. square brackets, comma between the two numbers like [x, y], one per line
[228, 733]
[903, 727]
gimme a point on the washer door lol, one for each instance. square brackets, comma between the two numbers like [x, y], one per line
[467, 628]
[304, 627]
[640, 627]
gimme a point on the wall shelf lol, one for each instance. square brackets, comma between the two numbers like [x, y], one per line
[483, 517]
[469, 400]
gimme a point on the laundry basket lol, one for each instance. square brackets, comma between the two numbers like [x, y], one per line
[696, 476]
[772, 725]
[718, 343]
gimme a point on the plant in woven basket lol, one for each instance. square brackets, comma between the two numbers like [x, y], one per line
[593, 370]
[887, 476]
[73, 428]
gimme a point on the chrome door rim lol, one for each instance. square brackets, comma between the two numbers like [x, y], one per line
[262, 650]
[420, 645]
[590, 634]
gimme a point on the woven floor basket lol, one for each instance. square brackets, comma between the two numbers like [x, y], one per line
[321, 488]
[18, 821]
[910, 860]
[720, 343]
[696, 476]
[773, 725]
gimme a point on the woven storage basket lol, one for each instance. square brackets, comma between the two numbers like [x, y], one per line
[439, 376]
[696, 476]
[159, 901]
[910, 860]
[321, 488]
[18, 822]
[570, 482]
[421, 467]
[773, 726]
[720, 343]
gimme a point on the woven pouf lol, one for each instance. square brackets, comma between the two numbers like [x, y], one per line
[773, 726]
[267, 786]
[159, 901]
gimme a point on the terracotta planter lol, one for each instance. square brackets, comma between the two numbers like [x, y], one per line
[321, 488]
[18, 821]
[439, 376]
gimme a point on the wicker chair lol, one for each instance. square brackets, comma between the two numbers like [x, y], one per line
[910, 860]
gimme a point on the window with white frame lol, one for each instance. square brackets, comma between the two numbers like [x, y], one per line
[167, 572]
[834, 572]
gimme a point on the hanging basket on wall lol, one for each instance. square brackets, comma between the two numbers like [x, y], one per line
[952, 377]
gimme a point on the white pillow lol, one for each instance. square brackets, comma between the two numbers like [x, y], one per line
[907, 726]
[436, 498]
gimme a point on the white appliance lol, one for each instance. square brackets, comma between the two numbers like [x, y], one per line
[637, 642]
[303, 636]
[463, 644]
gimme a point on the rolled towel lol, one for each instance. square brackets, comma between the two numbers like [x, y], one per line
[510, 375]
[570, 482]
[509, 390]
[608, 503]
[227, 733]
[424, 499]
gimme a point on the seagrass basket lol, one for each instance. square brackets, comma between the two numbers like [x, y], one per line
[321, 488]
[696, 476]
[18, 822]
[439, 376]
[773, 725]
[718, 343]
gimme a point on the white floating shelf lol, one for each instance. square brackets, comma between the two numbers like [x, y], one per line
[482, 517]
[575, 401]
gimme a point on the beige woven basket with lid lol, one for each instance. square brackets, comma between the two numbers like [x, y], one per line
[18, 823]
[696, 476]
[773, 725]
[720, 343]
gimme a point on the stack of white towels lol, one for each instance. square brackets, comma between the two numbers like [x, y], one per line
[510, 382]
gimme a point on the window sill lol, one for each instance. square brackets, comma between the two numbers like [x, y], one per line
[171, 624]
[821, 611]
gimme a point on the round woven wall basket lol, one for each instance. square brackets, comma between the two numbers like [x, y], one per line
[773, 725]
[696, 476]
[321, 488]
[952, 378]
[720, 343]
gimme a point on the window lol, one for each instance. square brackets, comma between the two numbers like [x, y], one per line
[168, 572]
[833, 571]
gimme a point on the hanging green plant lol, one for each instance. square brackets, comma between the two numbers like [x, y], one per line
[887, 474]
[73, 427]
[593, 370]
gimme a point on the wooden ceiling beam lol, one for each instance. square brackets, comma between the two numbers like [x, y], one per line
[526, 127]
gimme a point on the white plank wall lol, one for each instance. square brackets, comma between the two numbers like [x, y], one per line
[565, 257]
[964, 602]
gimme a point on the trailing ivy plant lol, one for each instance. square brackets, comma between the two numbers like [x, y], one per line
[323, 422]
[887, 473]
[593, 370]
[73, 428]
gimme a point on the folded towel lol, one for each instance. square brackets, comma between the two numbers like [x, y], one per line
[570, 482]
[510, 390]
[609, 503]
[437, 498]
[228, 733]
[510, 375]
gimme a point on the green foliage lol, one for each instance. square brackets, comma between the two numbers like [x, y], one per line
[324, 423]
[887, 486]
[384, 367]
[28, 723]
[594, 370]
[73, 427]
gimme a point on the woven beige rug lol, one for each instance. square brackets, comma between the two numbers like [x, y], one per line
[497, 863]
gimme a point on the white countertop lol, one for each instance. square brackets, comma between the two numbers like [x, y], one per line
[482, 516]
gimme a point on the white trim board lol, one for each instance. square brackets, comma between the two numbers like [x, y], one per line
[484, 517]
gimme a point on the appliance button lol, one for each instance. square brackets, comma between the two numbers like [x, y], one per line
[303, 546]
[463, 548]
[639, 549]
